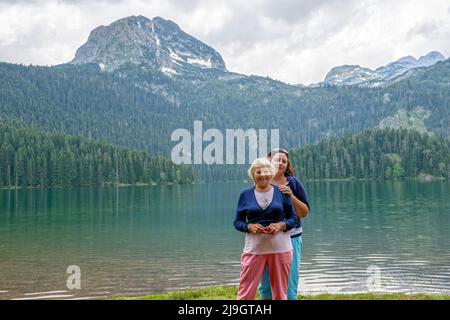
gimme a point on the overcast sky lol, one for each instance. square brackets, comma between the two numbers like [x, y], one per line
[296, 41]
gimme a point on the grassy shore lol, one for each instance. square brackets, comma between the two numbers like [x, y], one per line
[229, 293]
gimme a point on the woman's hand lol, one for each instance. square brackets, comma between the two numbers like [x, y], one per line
[276, 227]
[256, 228]
[285, 190]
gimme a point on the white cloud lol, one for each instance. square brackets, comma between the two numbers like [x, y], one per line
[296, 41]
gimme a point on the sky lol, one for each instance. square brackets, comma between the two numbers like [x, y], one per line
[295, 41]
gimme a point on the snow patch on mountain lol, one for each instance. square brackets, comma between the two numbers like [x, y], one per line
[357, 75]
[201, 62]
[150, 43]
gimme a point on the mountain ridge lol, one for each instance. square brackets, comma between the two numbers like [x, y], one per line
[381, 76]
[160, 44]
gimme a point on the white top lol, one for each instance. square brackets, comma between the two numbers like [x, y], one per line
[295, 231]
[260, 243]
[264, 198]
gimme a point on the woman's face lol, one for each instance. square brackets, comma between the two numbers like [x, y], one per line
[262, 176]
[280, 162]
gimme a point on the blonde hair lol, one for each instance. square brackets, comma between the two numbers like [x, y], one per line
[261, 163]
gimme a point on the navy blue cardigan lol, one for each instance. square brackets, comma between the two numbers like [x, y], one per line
[249, 211]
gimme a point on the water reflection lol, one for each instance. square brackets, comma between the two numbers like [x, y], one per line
[137, 240]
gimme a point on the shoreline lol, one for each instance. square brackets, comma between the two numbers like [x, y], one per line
[121, 185]
[230, 292]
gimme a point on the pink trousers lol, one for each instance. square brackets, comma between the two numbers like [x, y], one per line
[253, 266]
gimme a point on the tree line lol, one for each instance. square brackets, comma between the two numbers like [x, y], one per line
[139, 109]
[32, 158]
[373, 154]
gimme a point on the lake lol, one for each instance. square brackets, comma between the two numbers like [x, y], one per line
[360, 236]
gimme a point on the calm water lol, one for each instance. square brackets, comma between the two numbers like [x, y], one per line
[137, 240]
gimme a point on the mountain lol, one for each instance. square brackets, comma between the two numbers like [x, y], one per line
[138, 105]
[382, 76]
[430, 59]
[399, 67]
[156, 43]
[350, 75]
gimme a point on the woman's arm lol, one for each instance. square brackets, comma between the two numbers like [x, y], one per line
[291, 219]
[240, 221]
[299, 199]
[301, 209]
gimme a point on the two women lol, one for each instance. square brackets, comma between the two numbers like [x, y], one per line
[291, 186]
[269, 214]
[265, 214]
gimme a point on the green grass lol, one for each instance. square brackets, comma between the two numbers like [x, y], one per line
[213, 293]
[229, 293]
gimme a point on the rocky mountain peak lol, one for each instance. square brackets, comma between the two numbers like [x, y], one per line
[349, 75]
[156, 43]
[430, 58]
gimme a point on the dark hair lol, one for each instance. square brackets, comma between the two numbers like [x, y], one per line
[289, 168]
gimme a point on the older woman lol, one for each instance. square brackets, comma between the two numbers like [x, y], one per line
[265, 214]
[292, 187]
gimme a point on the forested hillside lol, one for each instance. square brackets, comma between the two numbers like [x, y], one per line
[139, 109]
[377, 154]
[30, 158]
